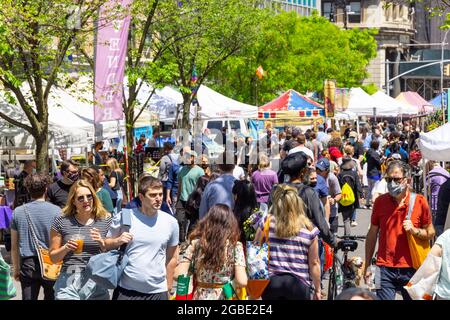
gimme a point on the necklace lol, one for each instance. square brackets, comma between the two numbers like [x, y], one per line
[89, 221]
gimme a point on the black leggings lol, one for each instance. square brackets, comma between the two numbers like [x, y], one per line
[286, 287]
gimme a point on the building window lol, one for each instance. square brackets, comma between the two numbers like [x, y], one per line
[355, 16]
[326, 9]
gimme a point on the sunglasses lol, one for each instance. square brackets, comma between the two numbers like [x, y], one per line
[89, 197]
[396, 180]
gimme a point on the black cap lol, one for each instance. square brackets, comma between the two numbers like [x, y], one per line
[294, 163]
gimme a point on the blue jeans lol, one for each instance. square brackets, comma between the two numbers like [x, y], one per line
[78, 286]
[393, 280]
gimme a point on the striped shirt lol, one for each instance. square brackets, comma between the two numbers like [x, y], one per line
[68, 226]
[42, 214]
[290, 255]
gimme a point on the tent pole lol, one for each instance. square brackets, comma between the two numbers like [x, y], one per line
[425, 188]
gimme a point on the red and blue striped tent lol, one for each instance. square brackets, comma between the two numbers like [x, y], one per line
[291, 105]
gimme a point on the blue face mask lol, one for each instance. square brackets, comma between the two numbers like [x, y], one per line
[395, 189]
[352, 140]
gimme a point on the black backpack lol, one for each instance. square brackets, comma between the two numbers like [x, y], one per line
[349, 178]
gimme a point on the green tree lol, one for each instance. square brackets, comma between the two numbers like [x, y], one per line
[144, 51]
[34, 38]
[299, 53]
[212, 32]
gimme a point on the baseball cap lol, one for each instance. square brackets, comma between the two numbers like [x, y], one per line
[323, 164]
[294, 162]
[353, 134]
[321, 127]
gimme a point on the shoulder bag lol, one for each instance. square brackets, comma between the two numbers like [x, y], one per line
[258, 264]
[7, 288]
[186, 283]
[418, 248]
[49, 270]
[107, 268]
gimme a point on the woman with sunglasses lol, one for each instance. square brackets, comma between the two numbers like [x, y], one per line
[76, 236]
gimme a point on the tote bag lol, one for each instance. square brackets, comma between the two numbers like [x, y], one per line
[258, 265]
[418, 248]
[7, 288]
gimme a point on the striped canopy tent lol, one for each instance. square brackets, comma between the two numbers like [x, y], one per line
[414, 99]
[290, 107]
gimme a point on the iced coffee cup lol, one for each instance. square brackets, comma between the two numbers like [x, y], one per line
[79, 239]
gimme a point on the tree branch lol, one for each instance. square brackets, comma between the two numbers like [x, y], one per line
[16, 123]
[145, 31]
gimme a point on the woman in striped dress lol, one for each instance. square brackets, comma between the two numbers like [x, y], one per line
[294, 264]
[83, 217]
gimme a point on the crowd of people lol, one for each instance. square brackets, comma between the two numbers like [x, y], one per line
[193, 217]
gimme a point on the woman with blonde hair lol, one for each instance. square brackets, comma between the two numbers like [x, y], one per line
[264, 179]
[294, 264]
[116, 177]
[75, 237]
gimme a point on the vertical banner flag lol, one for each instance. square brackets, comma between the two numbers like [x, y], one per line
[111, 49]
[341, 99]
[329, 89]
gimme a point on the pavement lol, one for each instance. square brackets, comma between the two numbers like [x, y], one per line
[362, 218]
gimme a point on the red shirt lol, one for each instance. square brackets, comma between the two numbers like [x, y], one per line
[393, 250]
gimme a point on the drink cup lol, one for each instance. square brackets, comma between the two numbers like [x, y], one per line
[79, 239]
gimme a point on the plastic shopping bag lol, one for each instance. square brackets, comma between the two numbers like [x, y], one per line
[423, 283]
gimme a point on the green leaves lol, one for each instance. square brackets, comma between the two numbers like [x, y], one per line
[297, 52]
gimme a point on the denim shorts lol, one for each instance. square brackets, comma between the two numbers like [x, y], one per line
[78, 286]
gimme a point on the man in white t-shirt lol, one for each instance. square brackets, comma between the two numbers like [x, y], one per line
[152, 244]
[301, 139]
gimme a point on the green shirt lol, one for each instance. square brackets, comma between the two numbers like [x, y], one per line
[187, 179]
[105, 199]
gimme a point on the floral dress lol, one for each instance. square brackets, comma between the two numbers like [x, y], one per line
[235, 257]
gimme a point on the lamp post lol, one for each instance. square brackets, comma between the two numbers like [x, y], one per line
[442, 75]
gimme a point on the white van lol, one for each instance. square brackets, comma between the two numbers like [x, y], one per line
[232, 124]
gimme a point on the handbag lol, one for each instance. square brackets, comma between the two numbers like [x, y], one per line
[107, 268]
[418, 248]
[7, 288]
[49, 270]
[258, 264]
[423, 283]
[186, 283]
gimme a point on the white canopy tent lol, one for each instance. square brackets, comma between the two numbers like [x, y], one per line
[214, 105]
[360, 102]
[435, 145]
[390, 107]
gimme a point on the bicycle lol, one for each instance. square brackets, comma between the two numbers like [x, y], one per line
[342, 275]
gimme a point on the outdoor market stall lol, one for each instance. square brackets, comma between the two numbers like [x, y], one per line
[292, 108]
[415, 100]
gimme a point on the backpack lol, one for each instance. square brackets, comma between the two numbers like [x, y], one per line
[165, 174]
[348, 196]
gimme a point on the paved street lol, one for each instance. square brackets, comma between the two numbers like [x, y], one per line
[363, 219]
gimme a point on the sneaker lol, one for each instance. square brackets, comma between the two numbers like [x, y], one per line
[354, 223]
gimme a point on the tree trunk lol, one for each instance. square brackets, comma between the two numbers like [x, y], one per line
[187, 99]
[42, 151]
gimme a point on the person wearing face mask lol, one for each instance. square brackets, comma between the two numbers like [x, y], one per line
[358, 147]
[58, 191]
[390, 227]
[22, 195]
